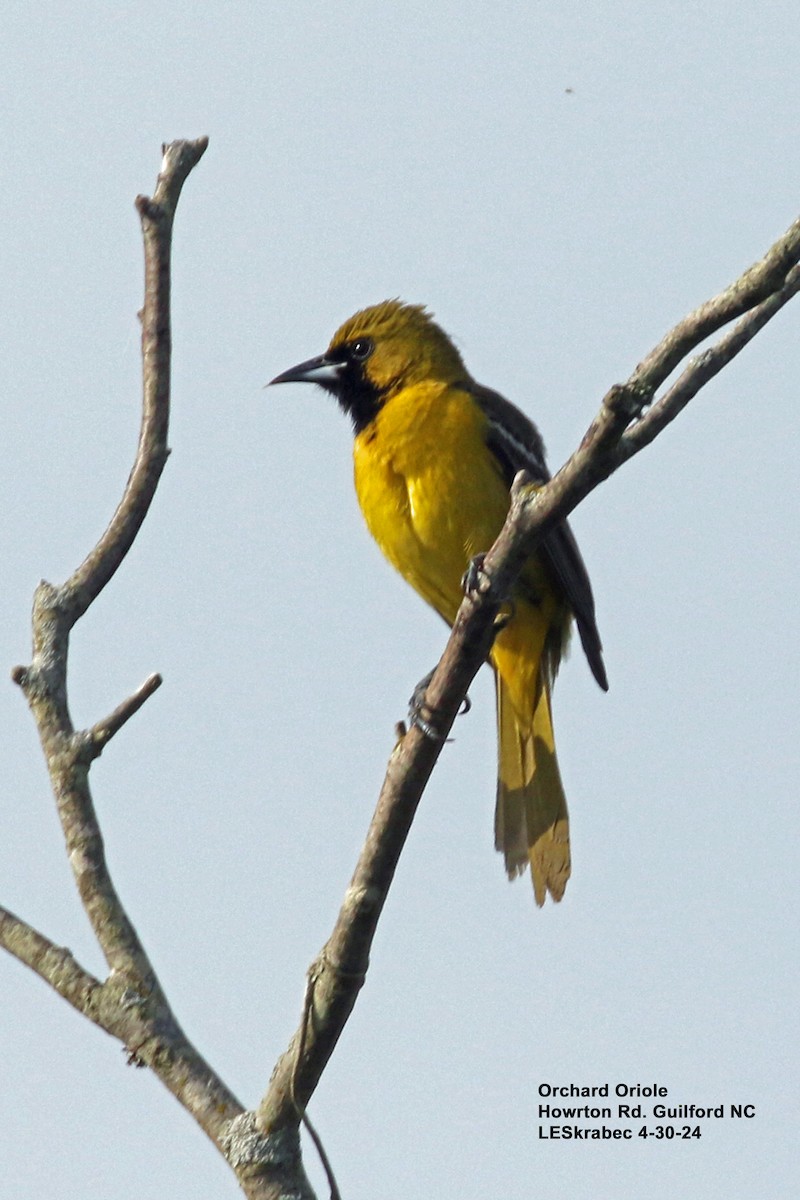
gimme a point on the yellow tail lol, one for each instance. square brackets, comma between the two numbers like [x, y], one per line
[531, 822]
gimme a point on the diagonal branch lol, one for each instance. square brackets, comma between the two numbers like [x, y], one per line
[703, 368]
[757, 284]
[617, 433]
[101, 733]
[54, 964]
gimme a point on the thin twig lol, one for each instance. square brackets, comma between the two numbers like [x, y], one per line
[707, 364]
[755, 285]
[102, 732]
[157, 216]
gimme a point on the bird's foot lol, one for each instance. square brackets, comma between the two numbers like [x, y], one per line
[475, 580]
[421, 715]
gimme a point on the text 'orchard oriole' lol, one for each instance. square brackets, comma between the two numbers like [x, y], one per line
[435, 454]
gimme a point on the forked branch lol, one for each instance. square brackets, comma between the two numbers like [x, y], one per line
[130, 1003]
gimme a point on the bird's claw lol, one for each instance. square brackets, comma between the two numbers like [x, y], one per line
[416, 708]
[425, 718]
[475, 579]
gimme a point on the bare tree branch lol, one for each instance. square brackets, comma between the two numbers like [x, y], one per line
[703, 368]
[157, 216]
[757, 284]
[102, 732]
[263, 1147]
[618, 432]
[130, 1004]
[56, 609]
[54, 964]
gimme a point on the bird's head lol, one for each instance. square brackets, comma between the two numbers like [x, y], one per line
[376, 353]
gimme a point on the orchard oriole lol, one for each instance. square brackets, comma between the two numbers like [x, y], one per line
[435, 454]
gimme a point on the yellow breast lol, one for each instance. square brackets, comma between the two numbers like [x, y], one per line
[429, 489]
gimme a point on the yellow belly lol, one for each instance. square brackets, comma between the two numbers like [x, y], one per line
[429, 491]
[433, 497]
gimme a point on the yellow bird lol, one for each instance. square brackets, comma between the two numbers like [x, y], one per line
[435, 454]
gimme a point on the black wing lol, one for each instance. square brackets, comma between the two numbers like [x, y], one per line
[517, 445]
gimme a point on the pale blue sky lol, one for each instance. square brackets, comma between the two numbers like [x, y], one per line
[360, 151]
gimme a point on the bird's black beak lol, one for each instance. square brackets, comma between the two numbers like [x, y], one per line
[316, 370]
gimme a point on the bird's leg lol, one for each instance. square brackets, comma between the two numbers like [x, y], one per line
[423, 717]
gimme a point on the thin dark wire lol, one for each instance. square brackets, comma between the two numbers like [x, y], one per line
[301, 1112]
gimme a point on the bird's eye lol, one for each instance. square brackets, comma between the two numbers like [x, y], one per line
[361, 349]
